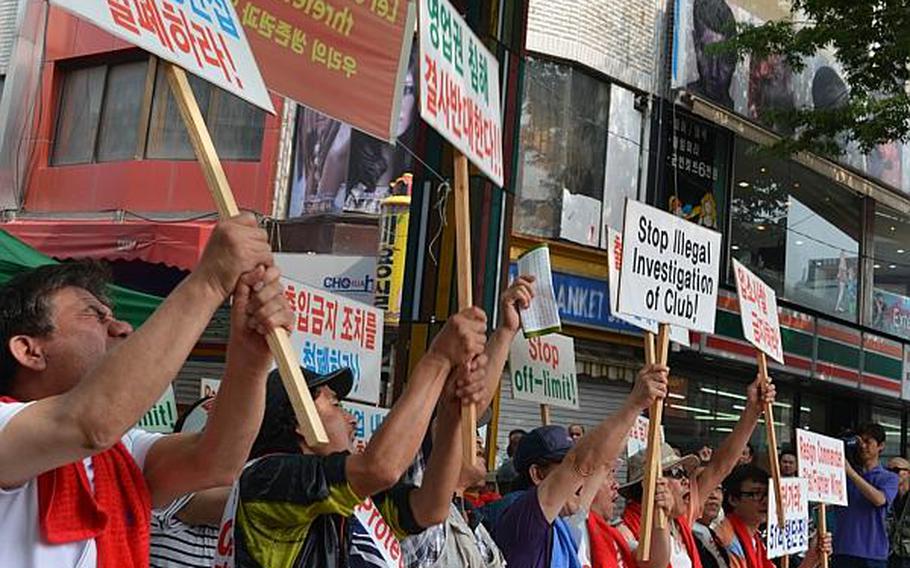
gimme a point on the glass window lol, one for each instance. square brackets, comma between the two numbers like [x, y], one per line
[122, 111]
[236, 127]
[797, 230]
[813, 413]
[167, 137]
[890, 420]
[563, 146]
[890, 309]
[77, 120]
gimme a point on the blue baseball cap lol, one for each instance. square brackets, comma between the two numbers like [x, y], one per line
[544, 444]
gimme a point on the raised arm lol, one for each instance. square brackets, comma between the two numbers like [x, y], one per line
[875, 496]
[724, 458]
[393, 447]
[602, 445]
[106, 403]
[186, 463]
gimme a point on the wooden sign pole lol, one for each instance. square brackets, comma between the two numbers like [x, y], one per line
[772, 441]
[465, 285]
[823, 529]
[545, 414]
[278, 341]
[651, 515]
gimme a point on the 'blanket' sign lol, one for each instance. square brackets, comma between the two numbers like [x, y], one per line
[669, 268]
[459, 87]
[543, 370]
[821, 462]
[204, 38]
[793, 537]
[331, 332]
[758, 312]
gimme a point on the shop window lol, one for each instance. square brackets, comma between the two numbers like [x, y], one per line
[563, 152]
[796, 230]
[101, 114]
[890, 309]
[813, 413]
[890, 420]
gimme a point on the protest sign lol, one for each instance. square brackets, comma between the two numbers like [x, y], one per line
[638, 436]
[459, 87]
[163, 415]
[821, 462]
[209, 387]
[669, 269]
[204, 38]
[793, 536]
[369, 419]
[542, 314]
[543, 370]
[379, 533]
[758, 312]
[343, 59]
[331, 332]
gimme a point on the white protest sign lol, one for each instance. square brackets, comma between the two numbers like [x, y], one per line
[758, 312]
[379, 532]
[793, 537]
[614, 268]
[209, 387]
[542, 315]
[638, 436]
[459, 87]
[163, 415]
[669, 268]
[821, 462]
[369, 419]
[331, 332]
[204, 38]
[543, 370]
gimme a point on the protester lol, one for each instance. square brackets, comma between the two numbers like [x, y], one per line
[746, 507]
[290, 505]
[78, 481]
[711, 551]
[690, 495]
[506, 474]
[861, 538]
[608, 547]
[899, 525]
[576, 431]
[788, 466]
[551, 471]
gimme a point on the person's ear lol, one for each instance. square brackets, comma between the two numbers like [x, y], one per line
[28, 352]
[536, 473]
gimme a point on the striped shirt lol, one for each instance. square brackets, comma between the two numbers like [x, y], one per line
[175, 544]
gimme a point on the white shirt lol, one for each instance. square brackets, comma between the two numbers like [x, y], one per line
[20, 540]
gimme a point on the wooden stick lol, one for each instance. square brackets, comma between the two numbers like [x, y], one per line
[278, 341]
[823, 528]
[650, 514]
[772, 442]
[545, 414]
[465, 285]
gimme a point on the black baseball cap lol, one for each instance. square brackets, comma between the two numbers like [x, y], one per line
[544, 444]
[278, 432]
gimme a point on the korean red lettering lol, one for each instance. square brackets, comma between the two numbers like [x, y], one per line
[122, 15]
[455, 105]
[331, 318]
[430, 78]
[290, 294]
[303, 311]
[317, 315]
[369, 339]
[150, 20]
[347, 324]
[179, 30]
[358, 326]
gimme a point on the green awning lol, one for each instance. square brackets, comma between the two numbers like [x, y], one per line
[129, 305]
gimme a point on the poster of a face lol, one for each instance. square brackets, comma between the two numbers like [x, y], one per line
[337, 168]
[756, 88]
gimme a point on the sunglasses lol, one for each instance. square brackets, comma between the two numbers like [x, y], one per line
[678, 473]
[897, 469]
[754, 495]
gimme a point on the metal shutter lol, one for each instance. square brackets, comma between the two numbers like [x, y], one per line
[8, 12]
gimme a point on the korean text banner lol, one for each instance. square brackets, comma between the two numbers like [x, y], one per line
[343, 59]
[203, 37]
[543, 370]
[670, 268]
[821, 461]
[331, 332]
[459, 87]
[758, 311]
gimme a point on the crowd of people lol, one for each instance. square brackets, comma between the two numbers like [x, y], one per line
[81, 487]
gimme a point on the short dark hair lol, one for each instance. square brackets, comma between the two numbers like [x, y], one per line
[733, 484]
[787, 450]
[714, 15]
[872, 430]
[25, 307]
[517, 431]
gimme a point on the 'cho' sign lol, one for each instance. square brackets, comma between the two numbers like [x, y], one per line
[543, 370]
[758, 312]
[821, 462]
[331, 332]
[669, 268]
[204, 38]
[459, 87]
[793, 537]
